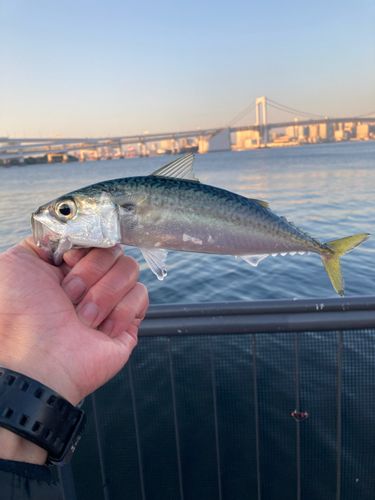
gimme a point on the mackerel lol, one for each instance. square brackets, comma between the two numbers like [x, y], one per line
[171, 210]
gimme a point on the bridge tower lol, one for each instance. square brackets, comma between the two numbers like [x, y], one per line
[261, 119]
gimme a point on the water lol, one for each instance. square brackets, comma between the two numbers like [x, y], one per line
[328, 190]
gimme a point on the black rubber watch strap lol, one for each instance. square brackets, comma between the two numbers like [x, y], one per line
[39, 414]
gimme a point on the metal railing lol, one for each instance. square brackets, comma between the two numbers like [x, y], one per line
[259, 317]
[173, 323]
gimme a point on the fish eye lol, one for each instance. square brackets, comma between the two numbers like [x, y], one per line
[66, 210]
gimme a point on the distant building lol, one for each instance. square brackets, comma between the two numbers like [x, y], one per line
[303, 133]
[341, 135]
[350, 128]
[363, 131]
[292, 132]
[202, 145]
[313, 133]
[246, 139]
[323, 132]
[166, 146]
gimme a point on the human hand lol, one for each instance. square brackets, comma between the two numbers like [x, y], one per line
[71, 327]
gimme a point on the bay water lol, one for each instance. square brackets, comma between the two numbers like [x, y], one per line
[329, 191]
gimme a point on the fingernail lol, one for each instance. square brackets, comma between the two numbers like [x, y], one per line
[74, 288]
[88, 313]
[107, 326]
[117, 250]
[132, 340]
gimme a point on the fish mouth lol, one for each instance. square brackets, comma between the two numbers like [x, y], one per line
[53, 244]
[44, 237]
[42, 234]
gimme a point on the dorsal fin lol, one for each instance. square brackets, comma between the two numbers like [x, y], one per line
[262, 203]
[182, 168]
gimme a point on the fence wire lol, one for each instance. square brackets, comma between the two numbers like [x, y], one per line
[253, 415]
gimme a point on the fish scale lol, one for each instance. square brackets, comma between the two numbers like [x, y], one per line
[233, 215]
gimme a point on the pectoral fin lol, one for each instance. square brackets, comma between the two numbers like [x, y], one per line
[156, 258]
[63, 246]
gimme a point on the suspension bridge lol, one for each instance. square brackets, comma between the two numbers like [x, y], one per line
[216, 138]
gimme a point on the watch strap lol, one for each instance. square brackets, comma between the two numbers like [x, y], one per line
[39, 414]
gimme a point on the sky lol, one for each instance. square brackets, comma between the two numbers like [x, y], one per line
[117, 67]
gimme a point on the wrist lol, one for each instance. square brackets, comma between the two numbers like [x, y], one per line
[47, 375]
[14, 447]
[38, 414]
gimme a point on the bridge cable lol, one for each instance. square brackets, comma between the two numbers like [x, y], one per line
[299, 115]
[241, 115]
[295, 112]
[289, 109]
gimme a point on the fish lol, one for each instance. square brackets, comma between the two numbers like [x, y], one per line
[172, 210]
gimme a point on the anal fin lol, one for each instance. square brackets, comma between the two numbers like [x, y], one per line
[253, 260]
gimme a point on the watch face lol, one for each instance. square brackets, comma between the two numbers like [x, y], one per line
[71, 445]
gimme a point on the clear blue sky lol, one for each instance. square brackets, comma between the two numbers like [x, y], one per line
[88, 68]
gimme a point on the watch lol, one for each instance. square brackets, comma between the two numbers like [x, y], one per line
[39, 414]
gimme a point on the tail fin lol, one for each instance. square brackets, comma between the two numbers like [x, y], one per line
[332, 261]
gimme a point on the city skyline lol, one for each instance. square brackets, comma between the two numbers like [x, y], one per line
[90, 69]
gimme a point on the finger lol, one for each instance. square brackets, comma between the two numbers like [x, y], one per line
[29, 244]
[130, 310]
[89, 270]
[72, 257]
[102, 297]
[124, 345]
[128, 339]
[45, 254]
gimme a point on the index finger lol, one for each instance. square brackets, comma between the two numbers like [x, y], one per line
[88, 270]
[72, 257]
